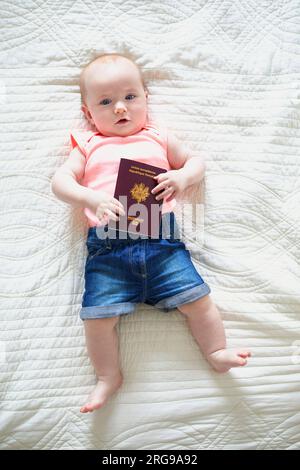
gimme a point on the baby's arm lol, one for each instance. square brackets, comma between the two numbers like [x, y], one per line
[192, 169]
[65, 182]
[65, 185]
[186, 171]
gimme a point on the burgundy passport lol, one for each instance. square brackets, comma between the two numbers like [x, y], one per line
[133, 189]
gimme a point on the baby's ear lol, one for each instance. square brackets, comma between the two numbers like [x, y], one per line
[84, 109]
[87, 113]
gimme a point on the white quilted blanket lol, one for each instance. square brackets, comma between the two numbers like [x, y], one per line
[225, 77]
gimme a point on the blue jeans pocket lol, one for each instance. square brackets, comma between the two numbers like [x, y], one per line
[96, 249]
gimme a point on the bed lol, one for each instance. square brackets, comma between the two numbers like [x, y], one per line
[225, 77]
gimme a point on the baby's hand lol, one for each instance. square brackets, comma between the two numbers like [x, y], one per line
[171, 183]
[103, 203]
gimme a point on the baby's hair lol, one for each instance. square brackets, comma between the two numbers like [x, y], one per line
[104, 59]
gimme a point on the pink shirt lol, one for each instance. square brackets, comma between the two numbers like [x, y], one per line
[103, 154]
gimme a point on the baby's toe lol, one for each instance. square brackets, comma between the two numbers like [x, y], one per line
[87, 408]
[244, 353]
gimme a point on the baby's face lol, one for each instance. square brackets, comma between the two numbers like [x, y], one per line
[114, 92]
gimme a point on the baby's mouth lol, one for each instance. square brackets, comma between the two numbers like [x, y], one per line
[122, 121]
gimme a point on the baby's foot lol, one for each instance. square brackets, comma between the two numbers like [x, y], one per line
[224, 359]
[105, 387]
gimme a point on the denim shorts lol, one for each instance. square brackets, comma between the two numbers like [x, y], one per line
[120, 273]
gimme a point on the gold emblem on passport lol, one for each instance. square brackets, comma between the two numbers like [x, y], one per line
[140, 192]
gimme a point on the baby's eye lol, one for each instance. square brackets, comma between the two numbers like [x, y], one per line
[105, 101]
[128, 97]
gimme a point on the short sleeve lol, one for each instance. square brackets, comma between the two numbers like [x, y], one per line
[160, 129]
[81, 138]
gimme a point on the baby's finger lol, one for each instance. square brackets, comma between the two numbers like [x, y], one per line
[112, 215]
[116, 208]
[119, 210]
[119, 204]
[99, 213]
[171, 197]
[160, 187]
[164, 193]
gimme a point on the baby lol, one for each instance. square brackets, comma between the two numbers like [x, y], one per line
[119, 273]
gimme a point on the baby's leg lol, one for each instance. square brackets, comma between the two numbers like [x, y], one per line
[102, 345]
[207, 328]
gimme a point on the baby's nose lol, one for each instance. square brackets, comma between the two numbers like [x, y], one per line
[120, 107]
